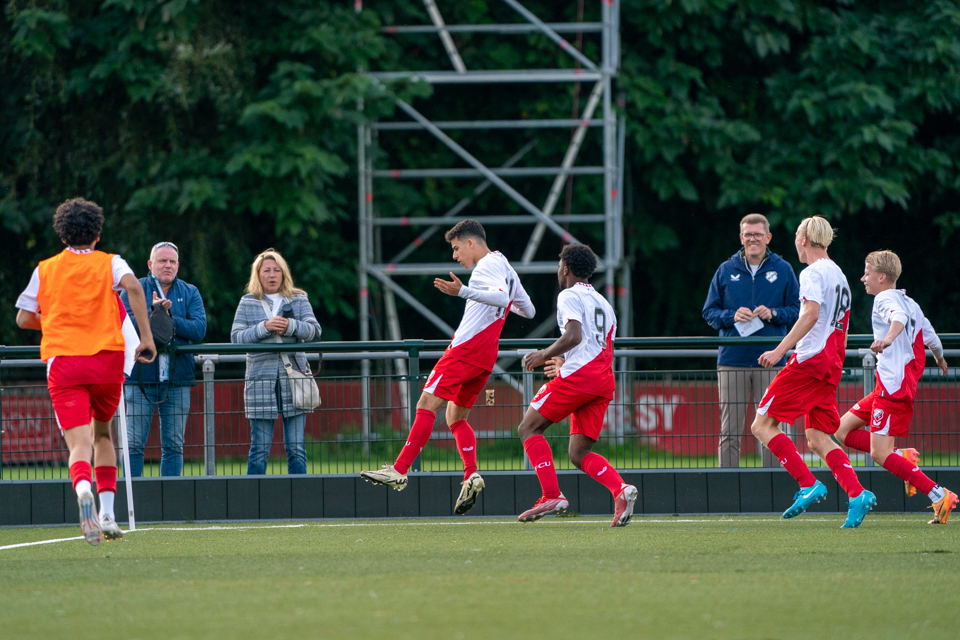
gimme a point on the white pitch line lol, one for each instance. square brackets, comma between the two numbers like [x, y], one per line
[462, 523]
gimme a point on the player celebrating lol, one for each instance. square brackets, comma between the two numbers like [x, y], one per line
[72, 300]
[582, 384]
[807, 385]
[493, 292]
[900, 332]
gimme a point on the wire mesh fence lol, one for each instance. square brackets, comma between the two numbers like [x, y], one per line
[660, 418]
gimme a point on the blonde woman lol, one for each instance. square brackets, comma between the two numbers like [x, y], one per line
[267, 391]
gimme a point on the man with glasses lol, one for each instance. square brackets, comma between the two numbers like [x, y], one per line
[754, 293]
[166, 383]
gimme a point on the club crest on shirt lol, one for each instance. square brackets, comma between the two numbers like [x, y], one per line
[771, 276]
[877, 417]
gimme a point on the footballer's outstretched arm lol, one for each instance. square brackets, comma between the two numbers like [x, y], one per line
[571, 337]
[806, 322]
[522, 304]
[932, 340]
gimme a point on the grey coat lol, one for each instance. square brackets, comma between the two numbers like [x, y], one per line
[264, 369]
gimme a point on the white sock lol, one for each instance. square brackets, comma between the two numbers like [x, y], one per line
[83, 486]
[106, 504]
[937, 493]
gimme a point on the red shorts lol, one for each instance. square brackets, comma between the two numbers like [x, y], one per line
[85, 388]
[558, 399]
[793, 394]
[456, 381]
[886, 416]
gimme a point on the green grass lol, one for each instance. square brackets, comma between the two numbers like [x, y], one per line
[711, 577]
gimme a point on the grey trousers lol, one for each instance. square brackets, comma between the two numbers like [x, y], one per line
[736, 386]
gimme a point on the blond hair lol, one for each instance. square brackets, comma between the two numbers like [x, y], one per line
[287, 290]
[886, 262]
[817, 230]
[755, 218]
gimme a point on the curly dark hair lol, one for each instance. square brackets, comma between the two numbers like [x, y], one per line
[78, 222]
[580, 259]
[466, 229]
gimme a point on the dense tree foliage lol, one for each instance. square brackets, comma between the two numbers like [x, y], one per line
[231, 127]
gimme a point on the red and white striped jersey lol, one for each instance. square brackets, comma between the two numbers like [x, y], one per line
[821, 352]
[900, 366]
[589, 365]
[478, 336]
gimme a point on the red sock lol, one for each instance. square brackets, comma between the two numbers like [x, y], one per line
[419, 434]
[466, 445]
[541, 457]
[905, 470]
[597, 467]
[858, 439]
[783, 447]
[106, 478]
[839, 463]
[82, 471]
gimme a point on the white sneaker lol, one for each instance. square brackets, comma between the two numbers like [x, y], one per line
[623, 505]
[469, 490]
[89, 522]
[387, 476]
[111, 530]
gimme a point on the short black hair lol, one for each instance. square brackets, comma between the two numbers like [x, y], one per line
[580, 259]
[466, 229]
[78, 222]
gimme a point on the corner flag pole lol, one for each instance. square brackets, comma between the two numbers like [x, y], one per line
[124, 445]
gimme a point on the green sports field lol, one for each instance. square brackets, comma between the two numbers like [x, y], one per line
[710, 577]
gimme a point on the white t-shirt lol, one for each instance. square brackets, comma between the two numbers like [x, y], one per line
[477, 338]
[902, 362]
[277, 301]
[753, 269]
[821, 352]
[588, 365]
[28, 299]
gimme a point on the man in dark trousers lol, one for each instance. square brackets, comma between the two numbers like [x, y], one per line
[754, 293]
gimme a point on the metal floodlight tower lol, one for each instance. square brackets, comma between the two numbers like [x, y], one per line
[541, 218]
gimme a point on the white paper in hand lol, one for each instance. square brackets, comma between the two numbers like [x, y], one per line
[749, 327]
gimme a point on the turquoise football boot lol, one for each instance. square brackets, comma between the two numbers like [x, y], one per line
[858, 508]
[803, 499]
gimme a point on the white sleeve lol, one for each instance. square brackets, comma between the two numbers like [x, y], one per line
[886, 307]
[811, 286]
[488, 295]
[931, 339]
[120, 268]
[569, 308]
[28, 299]
[522, 304]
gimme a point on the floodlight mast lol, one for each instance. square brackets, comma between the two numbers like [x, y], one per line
[542, 219]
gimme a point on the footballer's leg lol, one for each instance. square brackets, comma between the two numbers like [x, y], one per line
[884, 453]
[395, 475]
[79, 441]
[766, 428]
[105, 399]
[531, 431]
[466, 440]
[585, 427]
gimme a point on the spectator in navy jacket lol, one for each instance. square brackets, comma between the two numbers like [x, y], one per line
[753, 283]
[167, 383]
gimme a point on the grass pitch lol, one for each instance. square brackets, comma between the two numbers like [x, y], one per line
[711, 577]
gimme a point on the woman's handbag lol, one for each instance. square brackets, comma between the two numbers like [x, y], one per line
[306, 393]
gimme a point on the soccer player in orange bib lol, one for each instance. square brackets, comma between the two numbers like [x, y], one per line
[580, 364]
[807, 385]
[901, 334]
[493, 292]
[72, 299]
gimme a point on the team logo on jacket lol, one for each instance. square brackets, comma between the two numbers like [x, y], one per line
[771, 276]
[877, 417]
[734, 277]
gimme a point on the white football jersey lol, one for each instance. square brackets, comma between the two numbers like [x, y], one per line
[478, 336]
[900, 366]
[589, 364]
[821, 352]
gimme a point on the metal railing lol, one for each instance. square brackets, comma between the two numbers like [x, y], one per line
[665, 415]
